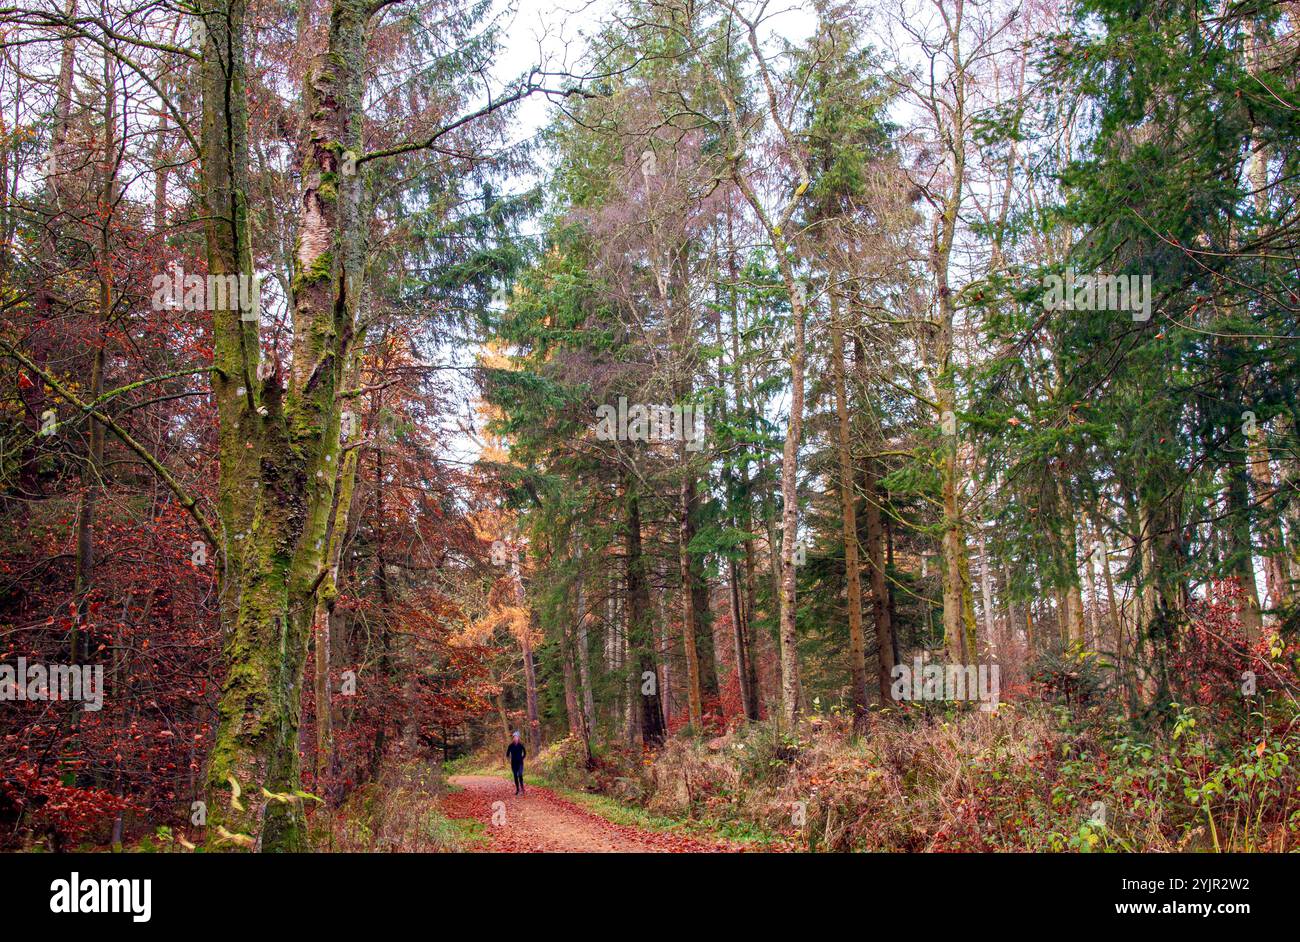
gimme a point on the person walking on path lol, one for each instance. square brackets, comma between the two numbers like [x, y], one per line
[516, 752]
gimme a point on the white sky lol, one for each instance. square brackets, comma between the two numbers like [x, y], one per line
[554, 32]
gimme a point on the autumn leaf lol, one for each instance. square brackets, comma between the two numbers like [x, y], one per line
[227, 837]
[235, 792]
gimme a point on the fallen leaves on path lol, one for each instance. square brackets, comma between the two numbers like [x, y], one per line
[542, 821]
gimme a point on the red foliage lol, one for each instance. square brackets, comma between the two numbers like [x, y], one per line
[62, 813]
[1212, 655]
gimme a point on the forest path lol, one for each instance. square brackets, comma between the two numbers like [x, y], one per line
[541, 820]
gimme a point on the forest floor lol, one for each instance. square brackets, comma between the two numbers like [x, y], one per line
[541, 820]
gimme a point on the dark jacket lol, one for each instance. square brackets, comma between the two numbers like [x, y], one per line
[516, 752]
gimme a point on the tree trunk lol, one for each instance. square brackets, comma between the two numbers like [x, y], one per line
[1272, 540]
[958, 620]
[848, 518]
[1074, 631]
[789, 638]
[694, 705]
[530, 668]
[881, 598]
[293, 431]
[986, 590]
[743, 607]
[323, 616]
[572, 712]
[92, 471]
[644, 685]
[584, 655]
[1241, 552]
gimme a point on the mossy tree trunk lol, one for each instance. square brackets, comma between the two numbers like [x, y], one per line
[290, 426]
[323, 617]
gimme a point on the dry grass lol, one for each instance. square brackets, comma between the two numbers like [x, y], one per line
[399, 813]
[1030, 777]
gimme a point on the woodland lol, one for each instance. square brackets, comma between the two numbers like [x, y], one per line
[811, 425]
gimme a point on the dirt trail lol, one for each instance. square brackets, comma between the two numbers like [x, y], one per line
[541, 820]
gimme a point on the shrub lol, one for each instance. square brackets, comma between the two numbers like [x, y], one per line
[397, 812]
